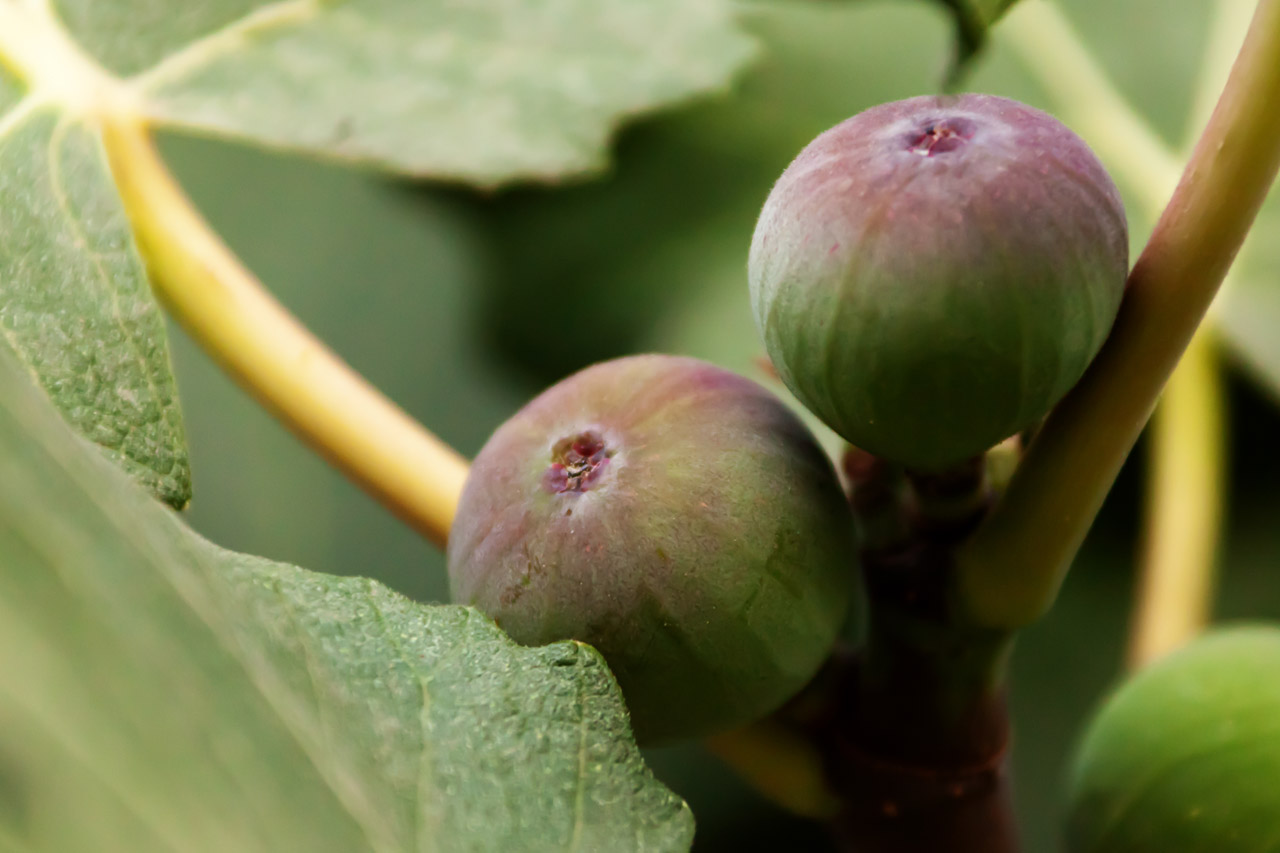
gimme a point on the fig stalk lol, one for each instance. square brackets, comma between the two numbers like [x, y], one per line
[270, 353]
[1012, 567]
[920, 745]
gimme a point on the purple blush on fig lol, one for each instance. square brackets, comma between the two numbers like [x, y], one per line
[932, 275]
[674, 515]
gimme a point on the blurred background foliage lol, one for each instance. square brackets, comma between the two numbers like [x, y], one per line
[462, 305]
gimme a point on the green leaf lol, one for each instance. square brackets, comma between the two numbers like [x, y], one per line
[1184, 757]
[11, 91]
[483, 91]
[669, 229]
[160, 693]
[1248, 311]
[76, 308]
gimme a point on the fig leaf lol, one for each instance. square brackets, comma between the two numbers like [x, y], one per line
[173, 695]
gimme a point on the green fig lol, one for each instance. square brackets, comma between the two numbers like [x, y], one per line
[677, 517]
[1185, 756]
[932, 275]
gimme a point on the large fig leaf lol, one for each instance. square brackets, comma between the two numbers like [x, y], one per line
[74, 303]
[10, 90]
[1184, 757]
[160, 693]
[485, 91]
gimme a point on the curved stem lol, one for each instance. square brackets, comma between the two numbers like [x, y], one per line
[1184, 510]
[1011, 569]
[781, 763]
[240, 325]
[1187, 443]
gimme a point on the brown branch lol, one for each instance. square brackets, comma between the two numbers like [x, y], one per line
[918, 735]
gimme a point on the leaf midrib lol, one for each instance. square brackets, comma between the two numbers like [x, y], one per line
[44, 56]
[41, 52]
[210, 46]
[198, 603]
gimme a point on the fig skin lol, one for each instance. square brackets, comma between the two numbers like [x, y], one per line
[1185, 756]
[674, 515]
[932, 275]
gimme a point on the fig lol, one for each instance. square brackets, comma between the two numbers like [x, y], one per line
[1185, 757]
[932, 275]
[676, 516]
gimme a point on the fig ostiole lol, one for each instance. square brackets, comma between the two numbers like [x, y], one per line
[932, 275]
[1185, 756]
[674, 515]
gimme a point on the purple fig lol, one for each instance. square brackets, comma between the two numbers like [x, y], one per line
[932, 275]
[677, 517]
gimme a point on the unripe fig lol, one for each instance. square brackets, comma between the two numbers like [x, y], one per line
[932, 275]
[677, 517]
[1185, 757]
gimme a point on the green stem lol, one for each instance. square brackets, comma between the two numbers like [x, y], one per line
[1011, 569]
[1184, 509]
[222, 305]
[781, 763]
[1187, 443]
[227, 310]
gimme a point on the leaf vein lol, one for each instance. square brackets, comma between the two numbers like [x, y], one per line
[10, 338]
[20, 700]
[579, 806]
[108, 780]
[118, 514]
[322, 716]
[13, 118]
[222, 41]
[57, 141]
[423, 842]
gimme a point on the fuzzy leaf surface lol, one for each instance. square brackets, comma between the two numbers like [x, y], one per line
[171, 695]
[75, 307]
[485, 91]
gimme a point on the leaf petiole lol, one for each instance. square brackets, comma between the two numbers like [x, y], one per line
[1010, 570]
[269, 352]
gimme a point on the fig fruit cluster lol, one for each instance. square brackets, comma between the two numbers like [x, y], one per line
[676, 516]
[932, 275]
[1185, 756]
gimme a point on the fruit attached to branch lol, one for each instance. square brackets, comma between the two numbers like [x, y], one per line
[674, 515]
[932, 275]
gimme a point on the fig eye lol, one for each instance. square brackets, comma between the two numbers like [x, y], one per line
[940, 136]
[714, 579]
[875, 327]
[577, 462]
